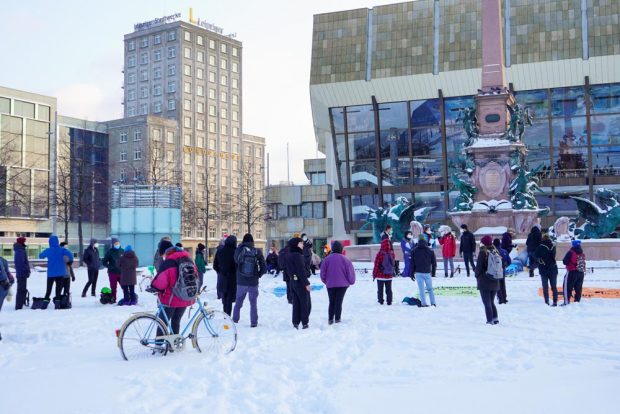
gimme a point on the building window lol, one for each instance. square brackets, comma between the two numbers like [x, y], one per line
[157, 107]
[137, 154]
[200, 73]
[187, 105]
[157, 39]
[187, 232]
[187, 70]
[144, 58]
[144, 92]
[211, 93]
[170, 137]
[172, 87]
[235, 148]
[212, 77]
[235, 83]
[144, 75]
[144, 109]
[224, 64]
[123, 137]
[212, 60]
[212, 144]
[187, 122]
[225, 181]
[131, 78]
[224, 129]
[235, 52]
[235, 67]
[200, 90]
[157, 73]
[131, 111]
[188, 36]
[123, 155]
[211, 44]
[156, 134]
[131, 61]
[224, 113]
[224, 80]
[157, 90]
[224, 96]
[212, 127]
[144, 42]
[235, 98]
[187, 159]
[172, 36]
[131, 45]
[187, 87]
[187, 52]
[171, 104]
[200, 56]
[235, 115]
[187, 140]
[235, 131]
[131, 95]
[223, 47]
[123, 175]
[172, 52]
[224, 163]
[200, 141]
[211, 233]
[259, 153]
[212, 111]
[170, 156]
[200, 107]
[137, 135]
[157, 55]
[199, 40]
[200, 124]
[248, 151]
[172, 70]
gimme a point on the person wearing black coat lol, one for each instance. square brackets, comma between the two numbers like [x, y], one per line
[467, 248]
[285, 277]
[226, 268]
[488, 287]
[307, 252]
[548, 268]
[502, 295]
[22, 271]
[300, 285]
[93, 264]
[506, 242]
[533, 241]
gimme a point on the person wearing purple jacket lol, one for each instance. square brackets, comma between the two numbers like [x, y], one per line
[338, 274]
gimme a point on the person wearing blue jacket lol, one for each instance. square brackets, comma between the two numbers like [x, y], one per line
[56, 265]
[22, 271]
[407, 245]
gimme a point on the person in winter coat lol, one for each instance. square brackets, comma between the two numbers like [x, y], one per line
[250, 267]
[56, 265]
[383, 271]
[502, 295]
[487, 286]
[548, 268]
[22, 271]
[326, 250]
[93, 264]
[110, 261]
[165, 281]
[506, 242]
[467, 248]
[6, 281]
[70, 276]
[448, 251]
[128, 263]
[338, 274]
[158, 258]
[533, 241]
[424, 267]
[300, 285]
[407, 246]
[307, 252]
[226, 268]
[272, 262]
[575, 262]
[201, 262]
[285, 276]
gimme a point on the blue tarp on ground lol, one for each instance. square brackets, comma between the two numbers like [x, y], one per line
[280, 291]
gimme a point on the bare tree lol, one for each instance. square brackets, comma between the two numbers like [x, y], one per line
[15, 185]
[250, 208]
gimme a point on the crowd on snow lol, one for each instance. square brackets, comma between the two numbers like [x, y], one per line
[239, 268]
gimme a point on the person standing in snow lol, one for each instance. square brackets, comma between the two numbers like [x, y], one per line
[226, 268]
[22, 271]
[548, 268]
[424, 267]
[448, 251]
[502, 295]
[272, 262]
[506, 242]
[467, 248]
[70, 277]
[6, 281]
[383, 271]
[575, 262]
[128, 264]
[93, 264]
[111, 262]
[487, 286]
[158, 258]
[201, 262]
[285, 276]
[533, 241]
[407, 247]
[300, 285]
[250, 267]
[338, 274]
[307, 252]
[56, 266]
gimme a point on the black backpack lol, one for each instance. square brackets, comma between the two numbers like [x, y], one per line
[248, 262]
[187, 285]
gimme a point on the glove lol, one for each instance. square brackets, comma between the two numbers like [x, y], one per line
[73, 278]
[461, 254]
[412, 277]
[5, 284]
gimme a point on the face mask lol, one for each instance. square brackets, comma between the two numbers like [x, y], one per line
[305, 238]
[96, 245]
[117, 246]
[409, 237]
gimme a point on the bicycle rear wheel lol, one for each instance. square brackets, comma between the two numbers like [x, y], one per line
[137, 337]
[214, 332]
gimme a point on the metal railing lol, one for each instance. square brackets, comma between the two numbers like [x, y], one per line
[130, 196]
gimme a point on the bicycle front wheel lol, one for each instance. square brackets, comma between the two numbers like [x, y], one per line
[137, 337]
[214, 332]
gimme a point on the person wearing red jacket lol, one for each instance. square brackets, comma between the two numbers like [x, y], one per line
[575, 262]
[383, 270]
[448, 251]
[165, 281]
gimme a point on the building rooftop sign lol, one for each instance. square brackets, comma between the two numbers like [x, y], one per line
[156, 22]
[206, 25]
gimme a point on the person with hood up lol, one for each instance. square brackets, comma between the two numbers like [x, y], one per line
[93, 264]
[128, 263]
[467, 248]
[506, 242]
[22, 271]
[307, 252]
[250, 267]
[56, 266]
[424, 267]
[70, 277]
[533, 241]
[338, 274]
[383, 271]
[158, 258]
[110, 261]
[487, 286]
[406, 244]
[448, 251]
[164, 282]
[548, 268]
[272, 262]
[575, 262]
[502, 295]
[226, 268]
[300, 285]
[201, 261]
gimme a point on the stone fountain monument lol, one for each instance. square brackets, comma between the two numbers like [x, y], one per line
[496, 191]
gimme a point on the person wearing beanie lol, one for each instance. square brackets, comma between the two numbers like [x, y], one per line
[70, 276]
[93, 264]
[128, 264]
[110, 261]
[300, 285]
[164, 243]
[548, 268]
[22, 271]
[448, 251]
[338, 274]
[533, 241]
[575, 262]
[487, 286]
[423, 268]
[201, 260]
[502, 295]
[383, 271]
[226, 268]
[467, 248]
[250, 267]
[56, 266]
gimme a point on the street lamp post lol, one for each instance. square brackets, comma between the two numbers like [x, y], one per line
[92, 204]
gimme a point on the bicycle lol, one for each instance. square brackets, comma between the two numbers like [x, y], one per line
[147, 334]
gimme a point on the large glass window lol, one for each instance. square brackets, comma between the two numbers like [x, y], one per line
[363, 174]
[605, 98]
[606, 160]
[338, 119]
[568, 101]
[536, 100]
[453, 106]
[425, 112]
[564, 204]
[361, 204]
[360, 118]
[362, 146]
[393, 115]
[605, 130]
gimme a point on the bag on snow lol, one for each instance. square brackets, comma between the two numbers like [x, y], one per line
[39, 303]
[187, 285]
[495, 269]
[248, 262]
[106, 296]
[62, 302]
[413, 301]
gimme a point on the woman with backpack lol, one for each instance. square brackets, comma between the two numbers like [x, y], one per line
[489, 263]
[226, 268]
[548, 268]
[502, 295]
[128, 263]
[383, 271]
[575, 261]
[164, 282]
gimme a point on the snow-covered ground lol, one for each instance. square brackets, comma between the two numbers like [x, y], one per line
[379, 359]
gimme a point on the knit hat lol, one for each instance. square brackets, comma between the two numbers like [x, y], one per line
[576, 243]
[294, 241]
[21, 240]
[163, 246]
[201, 246]
[114, 240]
[464, 226]
[128, 248]
[247, 238]
[337, 247]
[487, 241]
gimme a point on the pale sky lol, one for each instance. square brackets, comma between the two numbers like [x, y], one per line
[73, 50]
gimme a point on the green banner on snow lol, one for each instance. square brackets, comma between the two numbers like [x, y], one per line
[456, 291]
